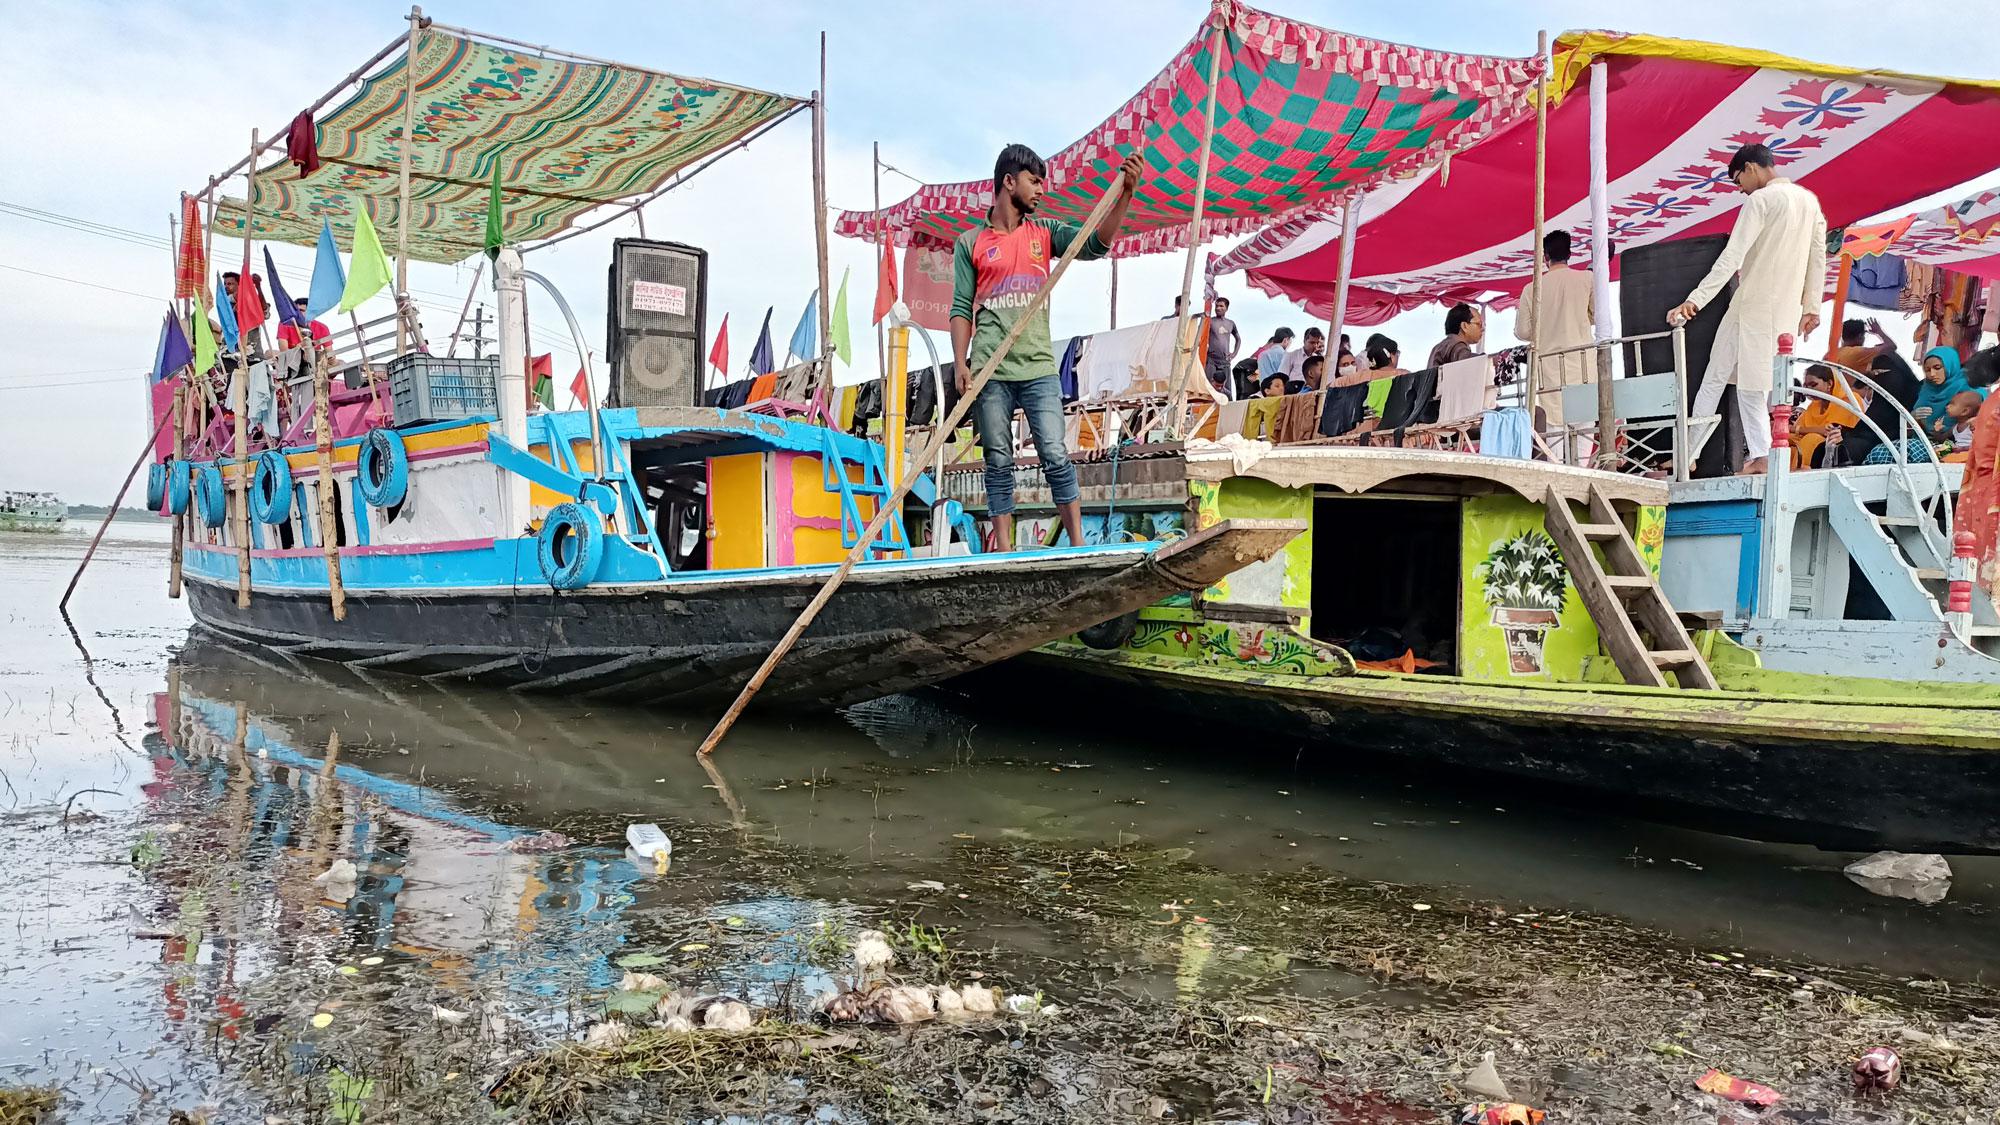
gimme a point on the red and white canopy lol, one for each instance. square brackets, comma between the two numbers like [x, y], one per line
[1865, 141]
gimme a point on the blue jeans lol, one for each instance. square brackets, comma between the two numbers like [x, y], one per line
[1041, 400]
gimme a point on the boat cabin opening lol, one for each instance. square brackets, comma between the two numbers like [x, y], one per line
[1385, 577]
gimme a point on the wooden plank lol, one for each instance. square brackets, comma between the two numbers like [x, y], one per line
[1649, 605]
[1614, 628]
[1601, 531]
[1674, 658]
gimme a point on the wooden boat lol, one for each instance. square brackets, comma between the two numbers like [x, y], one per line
[32, 511]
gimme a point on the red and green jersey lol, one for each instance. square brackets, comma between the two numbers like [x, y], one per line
[995, 275]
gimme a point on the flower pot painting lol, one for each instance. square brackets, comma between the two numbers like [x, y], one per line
[1525, 586]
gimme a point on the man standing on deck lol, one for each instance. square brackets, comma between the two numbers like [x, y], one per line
[1223, 344]
[1779, 246]
[1565, 316]
[996, 272]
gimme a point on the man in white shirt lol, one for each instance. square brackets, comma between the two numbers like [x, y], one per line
[1294, 366]
[1567, 314]
[1779, 248]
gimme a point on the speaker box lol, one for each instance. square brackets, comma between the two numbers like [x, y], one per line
[1655, 278]
[657, 312]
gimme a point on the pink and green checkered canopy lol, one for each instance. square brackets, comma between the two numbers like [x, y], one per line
[1302, 114]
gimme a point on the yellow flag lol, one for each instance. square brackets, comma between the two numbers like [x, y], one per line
[367, 266]
[204, 340]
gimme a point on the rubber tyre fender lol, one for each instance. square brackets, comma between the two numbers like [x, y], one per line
[156, 485]
[570, 546]
[1110, 634]
[382, 471]
[271, 488]
[214, 502]
[180, 487]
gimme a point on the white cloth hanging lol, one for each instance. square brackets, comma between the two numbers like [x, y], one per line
[1113, 362]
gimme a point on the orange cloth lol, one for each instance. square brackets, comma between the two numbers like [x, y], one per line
[1407, 663]
[1819, 412]
[1979, 495]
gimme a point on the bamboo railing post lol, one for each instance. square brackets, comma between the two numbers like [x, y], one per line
[144, 454]
[1541, 219]
[240, 399]
[825, 382]
[893, 503]
[180, 454]
[1183, 339]
[329, 530]
[403, 159]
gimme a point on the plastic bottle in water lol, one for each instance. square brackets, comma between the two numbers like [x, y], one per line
[649, 842]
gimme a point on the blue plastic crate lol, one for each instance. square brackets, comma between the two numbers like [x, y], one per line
[424, 388]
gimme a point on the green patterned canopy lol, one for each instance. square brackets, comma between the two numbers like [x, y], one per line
[568, 136]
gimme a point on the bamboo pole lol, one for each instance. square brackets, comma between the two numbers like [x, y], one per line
[405, 155]
[329, 531]
[882, 240]
[1600, 263]
[180, 428]
[1840, 278]
[1350, 227]
[825, 397]
[451, 348]
[893, 503]
[1541, 220]
[240, 399]
[1183, 338]
[1114, 294]
[144, 454]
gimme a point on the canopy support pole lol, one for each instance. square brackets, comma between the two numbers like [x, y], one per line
[404, 156]
[1839, 303]
[180, 424]
[1114, 294]
[1350, 218]
[1541, 221]
[510, 294]
[240, 399]
[1183, 338]
[824, 399]
[882, 247]
[329, 530]
[1600, 265]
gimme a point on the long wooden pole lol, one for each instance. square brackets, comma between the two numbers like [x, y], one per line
[329, 530]
[144, 454]
[240, 400]
[1114, 294]
[825, 396]
[1541, 219]
[882, 247]
[1183, 338]
[893, 503]
[404, 158]
[180, 432]
[451, 348]
[1350, 227]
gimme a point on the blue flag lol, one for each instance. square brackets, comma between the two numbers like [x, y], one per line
[225, 311]
[288, 313]
[174, 351]
[329, 278]
[805, 338]
[761, 362]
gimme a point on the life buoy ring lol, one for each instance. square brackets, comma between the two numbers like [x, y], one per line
[1111, 634]
[271, 488]
[180, 487]
[570, 546]
[382, 471]
[156, 485]
[213, 503]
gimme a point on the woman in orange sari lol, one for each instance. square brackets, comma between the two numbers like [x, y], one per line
[1821, 417]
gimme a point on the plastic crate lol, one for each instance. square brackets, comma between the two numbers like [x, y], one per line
[425, 388]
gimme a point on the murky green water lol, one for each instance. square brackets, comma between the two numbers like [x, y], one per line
[1231, 927]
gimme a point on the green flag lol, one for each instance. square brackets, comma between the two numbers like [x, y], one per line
[837, 334]
[494, 238]
[545, 392]
[367, 267]
[204, 340]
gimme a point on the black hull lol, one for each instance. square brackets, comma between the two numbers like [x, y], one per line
[887, 630]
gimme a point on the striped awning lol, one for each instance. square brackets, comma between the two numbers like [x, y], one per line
[566, 135]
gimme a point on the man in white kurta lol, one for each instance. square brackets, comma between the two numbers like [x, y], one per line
[1565, 314]
[1779, 249]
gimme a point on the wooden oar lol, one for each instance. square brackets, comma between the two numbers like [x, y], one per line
[113, 513]
[893, 502]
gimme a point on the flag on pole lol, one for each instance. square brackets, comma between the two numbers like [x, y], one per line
[579, 387]
[226, 315]
[541, 371]
[288, 312]
[718, 352]
[885, 284]
[805, 338]
[204, 340]
[495, 238]
[250, 311]
[191, 263]
[843, 346]
[329, 278]
[368, 267]
[174, 352]
[761, 360]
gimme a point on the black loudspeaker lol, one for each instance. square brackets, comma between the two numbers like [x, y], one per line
[1656, 278]
[657, 309]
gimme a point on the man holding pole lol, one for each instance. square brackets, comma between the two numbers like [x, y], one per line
[996, 272]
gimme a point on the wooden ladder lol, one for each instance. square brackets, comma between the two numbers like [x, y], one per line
[1623, 596]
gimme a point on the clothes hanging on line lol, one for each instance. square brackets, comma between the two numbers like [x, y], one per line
[1126, 361]
[1066, 368]
[1876, 281]
[1506, 433]
[1465, 388]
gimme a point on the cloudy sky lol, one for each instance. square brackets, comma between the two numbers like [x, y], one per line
[120, 106]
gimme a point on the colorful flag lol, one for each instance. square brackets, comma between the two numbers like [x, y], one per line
[288, 312]
[368, 267]
[226, 315]
[329, 277]
[885, 284]
[191, 264]
[837, 332]
[174, 352]
[579, 387]
[495, 239]
[250, 311]
[204, 340]
[926, 289]
[805, 338]
[541, 371]
[761, 360]
[718, 352]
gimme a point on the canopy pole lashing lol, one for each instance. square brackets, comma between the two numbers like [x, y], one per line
[1184, 343]
[892, 504]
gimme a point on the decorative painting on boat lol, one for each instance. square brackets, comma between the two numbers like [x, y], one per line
[1285, 579]
[1520, 616]
[1261, 648]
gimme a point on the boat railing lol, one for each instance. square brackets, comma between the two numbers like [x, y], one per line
[1651, 410]
[1936, 524]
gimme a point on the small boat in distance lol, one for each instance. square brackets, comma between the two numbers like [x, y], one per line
[32, 511]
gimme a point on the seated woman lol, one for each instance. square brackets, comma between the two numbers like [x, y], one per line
[1943, 381]
[1343, 414]
[1820, 419]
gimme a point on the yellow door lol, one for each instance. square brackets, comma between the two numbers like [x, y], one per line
[814, 523]
[737, 512]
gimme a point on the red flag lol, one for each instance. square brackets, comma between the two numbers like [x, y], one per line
[541, 372]
[579, 387]
[885, 284]
[249, 306]
[191, 264]
[718, 355]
